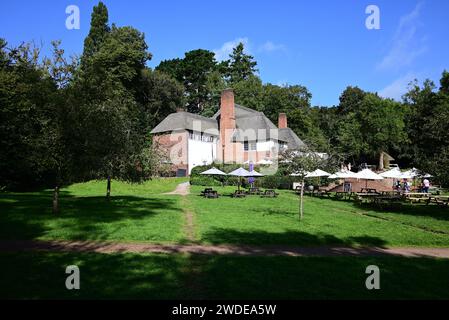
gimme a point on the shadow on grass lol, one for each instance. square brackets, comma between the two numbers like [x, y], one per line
[132, 276]
[294, 238]
[29, 216]
[104, 276]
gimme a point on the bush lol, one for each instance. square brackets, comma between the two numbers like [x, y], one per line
[204, 181]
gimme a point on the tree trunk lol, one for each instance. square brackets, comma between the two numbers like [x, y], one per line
[301, 199]
[56, 200]
[108, 188]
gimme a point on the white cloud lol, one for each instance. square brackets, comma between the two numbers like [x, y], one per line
[226, 49]
[406, 46]
[270, 47]
[398, 87]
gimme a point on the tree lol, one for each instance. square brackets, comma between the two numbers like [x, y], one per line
[351, 99]
[27, 99]
[241, 66]
[193, 72]
[428, 126]
[106, 101]
[300, 162]
[159, 96]
[99, 30]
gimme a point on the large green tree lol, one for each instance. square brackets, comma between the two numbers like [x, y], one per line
[193, 71]
[240, 65]
[98, 32]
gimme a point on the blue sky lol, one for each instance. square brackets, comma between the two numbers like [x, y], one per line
[323, 45]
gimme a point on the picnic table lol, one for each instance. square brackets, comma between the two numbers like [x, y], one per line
[343, 195]
[269, 193]
[418, 197]
[388, 201]
[211, 194]
[362, 197]
[368, 190]
[439, 200]
[239, 194]
[206, 190]
[254, 190]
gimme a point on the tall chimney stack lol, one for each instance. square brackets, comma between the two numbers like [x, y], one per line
[282, 122]
[227, 122]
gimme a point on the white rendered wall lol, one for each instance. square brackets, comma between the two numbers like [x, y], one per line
[265, 145]
[201, 153]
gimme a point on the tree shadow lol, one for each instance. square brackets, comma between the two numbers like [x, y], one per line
[102, 276]
[289, 237]
[29, 216]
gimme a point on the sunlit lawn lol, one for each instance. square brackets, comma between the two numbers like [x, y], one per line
[135, 212]
[141, 212]
[158, 276]
[255, 220]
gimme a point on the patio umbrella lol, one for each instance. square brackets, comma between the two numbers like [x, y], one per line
[240, 172]
[367, 174]
[394, 173]
[343, 174]
[254, 174]
[410, 174]
[317, 173]
[213, 171]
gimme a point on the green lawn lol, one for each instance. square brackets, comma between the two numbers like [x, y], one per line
[136, 212]
[141, 212]
[255, 220]
[126, 276]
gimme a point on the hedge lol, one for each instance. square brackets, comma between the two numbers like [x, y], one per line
[280, 180]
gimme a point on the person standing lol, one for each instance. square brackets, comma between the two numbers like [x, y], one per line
[426, 185]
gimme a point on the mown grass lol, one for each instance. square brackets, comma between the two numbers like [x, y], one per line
[275, 221]
[135, 212]
[142, 212]
[158, 276]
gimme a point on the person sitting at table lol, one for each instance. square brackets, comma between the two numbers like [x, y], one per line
[407, 186]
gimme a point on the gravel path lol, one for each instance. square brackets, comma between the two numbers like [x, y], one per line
[113, 247]
[182, 189]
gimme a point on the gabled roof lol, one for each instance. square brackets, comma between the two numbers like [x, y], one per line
[185, 121]
[256, 123]
[293, 141]
[246, 119]
[240, 111]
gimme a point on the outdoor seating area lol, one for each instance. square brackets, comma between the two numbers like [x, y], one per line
[239, 193]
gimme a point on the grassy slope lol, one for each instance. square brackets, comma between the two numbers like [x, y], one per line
[136, 212]
[256, 220]
[42, 276]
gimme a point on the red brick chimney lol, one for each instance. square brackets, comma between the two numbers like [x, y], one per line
[227, 122]
[282, 122]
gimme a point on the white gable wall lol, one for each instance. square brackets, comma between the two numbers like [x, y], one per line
[201, 153]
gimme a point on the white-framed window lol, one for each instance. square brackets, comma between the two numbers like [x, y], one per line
[249, 146]
[200, 136]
